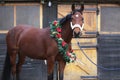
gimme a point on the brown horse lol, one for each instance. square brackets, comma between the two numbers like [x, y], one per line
[37, 43]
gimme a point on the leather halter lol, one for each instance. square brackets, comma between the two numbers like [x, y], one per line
[77, 25]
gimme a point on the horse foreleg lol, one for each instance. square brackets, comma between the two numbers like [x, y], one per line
[61, 69]
[50, 66]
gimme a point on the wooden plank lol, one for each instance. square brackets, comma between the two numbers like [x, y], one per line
[89, 77]
[2, 38]
[3, 31]
[90, 21]
[14, 15]
[41, 16]
[84, 43]
[32, 72]
[20, 4]
[108, 56]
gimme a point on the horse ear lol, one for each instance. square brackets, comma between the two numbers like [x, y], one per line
[73, 7]
[82, 7]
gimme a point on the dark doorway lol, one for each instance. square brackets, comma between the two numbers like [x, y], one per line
[49, 14]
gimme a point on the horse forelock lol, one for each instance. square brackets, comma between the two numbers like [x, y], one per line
[76, 10]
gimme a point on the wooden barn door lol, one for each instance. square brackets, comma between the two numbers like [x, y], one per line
[49, 14]
[109, 43]
[28, 14]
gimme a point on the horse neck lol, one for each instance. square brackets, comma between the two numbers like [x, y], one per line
[67, 32]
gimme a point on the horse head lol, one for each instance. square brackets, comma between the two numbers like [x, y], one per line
[77, 23]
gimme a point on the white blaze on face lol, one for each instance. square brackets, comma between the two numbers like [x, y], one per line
[77, 15]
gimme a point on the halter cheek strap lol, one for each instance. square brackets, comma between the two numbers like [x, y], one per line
[77, 25]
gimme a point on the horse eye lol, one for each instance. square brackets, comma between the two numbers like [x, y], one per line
[82, 19]
[72, 17]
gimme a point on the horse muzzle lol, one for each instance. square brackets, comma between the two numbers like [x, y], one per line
[77, 30]
[77, 34]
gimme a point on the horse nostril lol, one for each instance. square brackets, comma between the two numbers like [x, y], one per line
[80, 33]
[77, 35]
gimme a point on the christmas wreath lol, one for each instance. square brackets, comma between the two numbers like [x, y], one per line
[55, 28]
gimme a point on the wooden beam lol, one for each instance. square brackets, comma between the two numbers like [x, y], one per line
[14, 16]
[3, 31]
[63, 1]
[41, 16]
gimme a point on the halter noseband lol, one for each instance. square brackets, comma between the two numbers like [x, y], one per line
[77, 25]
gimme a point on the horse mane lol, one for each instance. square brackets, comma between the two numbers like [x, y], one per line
[65, 19]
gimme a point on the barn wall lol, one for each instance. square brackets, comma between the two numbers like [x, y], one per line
[107, 19]
[15, 14]
[108, 42]
[109, 56]
[83, 68]
[6, 17]
[110, 22]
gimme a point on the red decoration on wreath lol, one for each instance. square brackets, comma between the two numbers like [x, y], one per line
[68, 53]
[63, 43]
[55, 23]
[58, 35]
[58, 29]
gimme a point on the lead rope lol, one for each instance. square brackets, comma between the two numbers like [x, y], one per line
[101, 67]
[79, 61]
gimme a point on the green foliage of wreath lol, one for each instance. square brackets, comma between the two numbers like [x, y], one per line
[55, 28]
